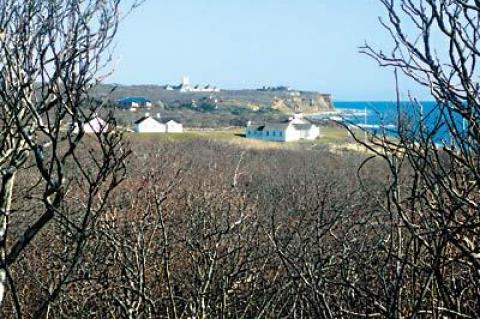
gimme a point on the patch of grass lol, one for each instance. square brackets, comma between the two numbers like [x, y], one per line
[159, 136]
[329, 136]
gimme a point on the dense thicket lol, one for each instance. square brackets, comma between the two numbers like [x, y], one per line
[205, 229]
[434, 192]
[202, 229]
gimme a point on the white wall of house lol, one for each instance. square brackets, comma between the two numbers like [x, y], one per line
[174, 127]
[150, 125]
[313, 133]
[274, 135]
[95, 125]
[291, 134]
[288, 134]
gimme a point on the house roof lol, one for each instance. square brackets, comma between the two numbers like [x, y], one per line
[161, 121]
[134, 99]
[302, 126]
[298, 125]
[172, 121]
[269, 126]
[95, 118]
[256, 127]
[140, 120]
[276, 126]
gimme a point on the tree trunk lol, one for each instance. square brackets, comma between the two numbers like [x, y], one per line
[5, 206]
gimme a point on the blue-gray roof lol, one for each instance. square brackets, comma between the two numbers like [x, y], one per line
[134, 99]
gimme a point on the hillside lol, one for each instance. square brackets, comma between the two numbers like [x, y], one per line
[232, 101]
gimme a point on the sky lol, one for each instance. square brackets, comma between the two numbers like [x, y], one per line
[236, 44]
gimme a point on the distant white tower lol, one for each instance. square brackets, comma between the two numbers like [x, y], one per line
[185, 81]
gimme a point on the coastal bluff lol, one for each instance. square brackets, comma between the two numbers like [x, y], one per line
[238, 101]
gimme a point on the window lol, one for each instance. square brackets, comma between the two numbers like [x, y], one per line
[268, 133]
[273, 133]
[280, 133]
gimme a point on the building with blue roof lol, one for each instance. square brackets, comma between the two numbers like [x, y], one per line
[129, 102]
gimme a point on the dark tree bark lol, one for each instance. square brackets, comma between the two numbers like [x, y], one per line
[433, 197]
[51, 54]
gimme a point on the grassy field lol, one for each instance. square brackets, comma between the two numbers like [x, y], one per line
[333, 135]
[329, 136]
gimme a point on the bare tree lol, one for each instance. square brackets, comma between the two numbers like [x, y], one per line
[51, 54]
[432, 206]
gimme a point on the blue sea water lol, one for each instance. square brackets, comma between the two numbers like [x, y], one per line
[383, 117]
[381, 113]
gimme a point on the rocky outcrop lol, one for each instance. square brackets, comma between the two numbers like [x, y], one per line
[308, 104]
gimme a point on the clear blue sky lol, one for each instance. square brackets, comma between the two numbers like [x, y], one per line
[306, 44]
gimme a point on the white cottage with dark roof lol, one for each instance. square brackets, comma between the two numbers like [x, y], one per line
[174, 127]
[149, 124]
[294, 129]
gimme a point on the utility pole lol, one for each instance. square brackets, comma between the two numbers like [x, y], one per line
[365, 127]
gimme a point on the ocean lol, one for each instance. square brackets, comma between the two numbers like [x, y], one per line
[382, 117]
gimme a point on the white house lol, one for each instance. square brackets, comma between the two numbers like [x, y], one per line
[174, 127]
[148, 124]
[95, 125]
[294, 129]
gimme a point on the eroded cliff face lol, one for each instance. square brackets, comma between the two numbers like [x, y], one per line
[281, 99]
[308, 104]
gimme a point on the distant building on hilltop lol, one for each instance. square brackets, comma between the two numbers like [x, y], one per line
[294, 129]
[187, 87]
[134, 102]
[275, 89]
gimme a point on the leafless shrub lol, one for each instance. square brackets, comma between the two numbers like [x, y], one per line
[55, 182]
[430, 264]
